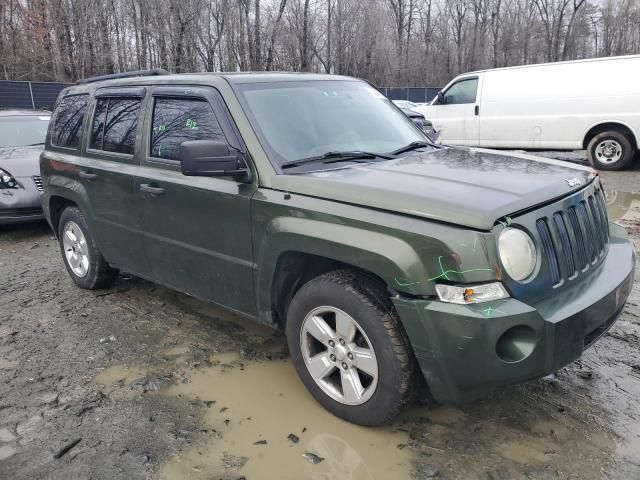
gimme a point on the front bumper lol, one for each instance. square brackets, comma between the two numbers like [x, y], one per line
[457, 348]
[21, 205]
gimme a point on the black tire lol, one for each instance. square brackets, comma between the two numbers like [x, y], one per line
[99, 273]
[367, 302]
[598, 161]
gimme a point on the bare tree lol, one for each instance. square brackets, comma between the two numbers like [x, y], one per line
[391, 42]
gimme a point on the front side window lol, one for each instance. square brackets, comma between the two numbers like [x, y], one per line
[114, 125]
[69, 117]
[23, 131]
[462, 92]
[302, 119]
[178, 120]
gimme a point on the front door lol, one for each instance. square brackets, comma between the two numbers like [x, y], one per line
[197, 229]
[455, 113]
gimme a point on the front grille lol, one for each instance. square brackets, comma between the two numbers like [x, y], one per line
[575, 238]
[37, 179]
[548, 249]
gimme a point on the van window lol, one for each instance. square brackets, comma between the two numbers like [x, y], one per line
[463, 91]
[181, 120]
[67, 126]
[114, 125]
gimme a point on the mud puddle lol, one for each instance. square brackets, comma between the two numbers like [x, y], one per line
[257, 417]
[260, 419]
[267, 422]
[623, 207]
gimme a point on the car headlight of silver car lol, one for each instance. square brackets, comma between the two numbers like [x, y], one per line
[7, 180]
[517, 253]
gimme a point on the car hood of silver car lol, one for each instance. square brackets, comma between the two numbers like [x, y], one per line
[21, 161]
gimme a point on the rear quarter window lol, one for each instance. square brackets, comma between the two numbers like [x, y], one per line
[69, 117]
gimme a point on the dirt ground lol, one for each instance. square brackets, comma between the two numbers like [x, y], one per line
[141, 382]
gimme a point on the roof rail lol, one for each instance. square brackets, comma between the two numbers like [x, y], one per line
[133, 73]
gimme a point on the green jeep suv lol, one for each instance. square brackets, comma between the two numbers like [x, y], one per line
[313, 204]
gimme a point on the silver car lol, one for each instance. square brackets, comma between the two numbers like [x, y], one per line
[22, 135]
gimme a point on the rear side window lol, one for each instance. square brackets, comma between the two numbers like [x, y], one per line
[67, 127]
[179, 120]
[114, 125]
[462, 92]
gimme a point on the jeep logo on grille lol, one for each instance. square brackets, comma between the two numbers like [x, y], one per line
[573, 182]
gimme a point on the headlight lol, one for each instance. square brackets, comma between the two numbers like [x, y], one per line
[471, 294]
[517, 253]
[7, 180]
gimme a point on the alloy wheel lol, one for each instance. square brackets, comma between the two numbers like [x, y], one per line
[339, 355]
[75, 249]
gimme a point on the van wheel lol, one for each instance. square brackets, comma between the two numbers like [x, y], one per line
[349, 348]
[610, 151]
[84, 262]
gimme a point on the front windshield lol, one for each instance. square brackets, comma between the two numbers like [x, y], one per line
[297, 120]
[22, 131]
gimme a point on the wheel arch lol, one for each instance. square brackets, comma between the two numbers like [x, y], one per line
[604, 126]
[294, 269]
[57, 205]
[297, 250]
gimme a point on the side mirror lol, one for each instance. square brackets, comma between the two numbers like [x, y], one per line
[212, 158]
[439, 98]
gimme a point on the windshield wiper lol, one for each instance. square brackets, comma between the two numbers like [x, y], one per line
[335, 157]
[34, 144]
[412, 146]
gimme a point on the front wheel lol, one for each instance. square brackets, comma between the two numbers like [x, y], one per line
[610, 151]
[82, 258]
[349, 348]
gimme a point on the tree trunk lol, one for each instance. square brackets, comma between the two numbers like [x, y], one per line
[304, 53]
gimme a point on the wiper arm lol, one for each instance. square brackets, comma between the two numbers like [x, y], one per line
[34, 144]
[412, 146]
[335, 157]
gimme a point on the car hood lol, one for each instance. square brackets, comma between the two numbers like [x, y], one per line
[470, 187]
[21, 161]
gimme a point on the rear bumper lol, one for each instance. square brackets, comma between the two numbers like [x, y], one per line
[461, 348]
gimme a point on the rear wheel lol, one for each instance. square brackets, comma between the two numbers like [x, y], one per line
[610, 150]
[82, 258]
[349, 348]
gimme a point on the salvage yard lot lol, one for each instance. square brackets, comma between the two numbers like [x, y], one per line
[141, 382]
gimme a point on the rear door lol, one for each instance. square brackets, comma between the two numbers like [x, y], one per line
[110, 160]
[198, 229]
[456, 112]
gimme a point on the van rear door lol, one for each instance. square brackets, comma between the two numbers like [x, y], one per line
[456, 111]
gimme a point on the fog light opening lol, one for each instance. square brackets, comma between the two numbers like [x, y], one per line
[516, 344]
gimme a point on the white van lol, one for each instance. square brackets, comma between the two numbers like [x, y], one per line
[584, 104]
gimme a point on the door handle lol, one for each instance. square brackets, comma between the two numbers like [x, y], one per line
[477, 110]
[87, 174]
[149, 188]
